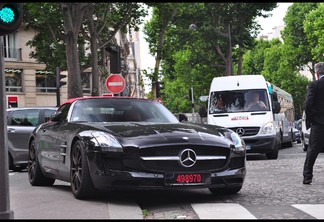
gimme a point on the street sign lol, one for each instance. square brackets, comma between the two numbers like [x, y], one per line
[115, 83]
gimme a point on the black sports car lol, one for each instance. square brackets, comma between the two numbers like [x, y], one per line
[107, 143]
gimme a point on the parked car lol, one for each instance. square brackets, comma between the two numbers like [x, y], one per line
[296, 135]
[108, 143]
[305, 133]
[21, 122]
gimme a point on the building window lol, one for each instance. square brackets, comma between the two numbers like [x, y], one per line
[85, 81]
[9, 44]
[13, 80]
[45, 81]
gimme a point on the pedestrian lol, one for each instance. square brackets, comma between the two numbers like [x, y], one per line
[314, 110]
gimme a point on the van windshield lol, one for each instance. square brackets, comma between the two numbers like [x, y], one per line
[235, 101]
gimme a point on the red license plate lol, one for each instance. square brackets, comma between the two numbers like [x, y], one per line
[183, 179]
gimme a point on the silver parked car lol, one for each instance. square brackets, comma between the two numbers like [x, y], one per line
[21, 122]
[305, 133]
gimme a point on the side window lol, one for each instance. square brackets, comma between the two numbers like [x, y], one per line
[64, 110]
[24, 118]
[48, 113]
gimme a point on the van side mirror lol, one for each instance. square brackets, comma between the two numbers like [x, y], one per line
[203, 98]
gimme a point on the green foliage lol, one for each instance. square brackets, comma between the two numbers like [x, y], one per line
[299, 48]
[192, 57]
[49, 47]
[269, 59]
[314, 30]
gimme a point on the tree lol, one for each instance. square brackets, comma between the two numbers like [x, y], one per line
[314, 30]
[269, 58]
[294, 36]
[49, 47]
[204, 52]
[163, 14]
[68, 39]
[72, 19]
[103, 21]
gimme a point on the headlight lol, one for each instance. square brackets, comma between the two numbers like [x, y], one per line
[267, 128]
[107, 142]
[238, 142]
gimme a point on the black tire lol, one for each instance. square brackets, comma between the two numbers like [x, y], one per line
[304, 146]
[225, 190]
[290, 143]
[81, 183]
[273, 155]
[11, 166]
[35, 175]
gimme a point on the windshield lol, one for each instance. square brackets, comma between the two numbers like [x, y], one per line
[239, 101]
[121, 110]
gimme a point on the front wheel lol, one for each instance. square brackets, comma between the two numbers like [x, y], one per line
[35, 175]
[274, 153]
[225, 190]
[81, 183]
[304, 145]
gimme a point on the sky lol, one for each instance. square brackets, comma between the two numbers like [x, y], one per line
[267, 24]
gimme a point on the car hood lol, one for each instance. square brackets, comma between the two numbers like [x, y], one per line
[138, 134]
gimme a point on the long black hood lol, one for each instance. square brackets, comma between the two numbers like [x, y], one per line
[138, 134]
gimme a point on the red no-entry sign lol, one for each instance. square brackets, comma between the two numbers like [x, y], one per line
[115, 83]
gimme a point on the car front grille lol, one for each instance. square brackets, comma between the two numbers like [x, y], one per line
[167, 159]
[248, 131]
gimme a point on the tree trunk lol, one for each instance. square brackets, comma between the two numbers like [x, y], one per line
[240, 61]
[72, 19]
[74, 77]
[94, 53]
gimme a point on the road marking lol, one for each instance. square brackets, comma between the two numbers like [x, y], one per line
[221, 211]
[315, 210]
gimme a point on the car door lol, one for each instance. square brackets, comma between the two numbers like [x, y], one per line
[49, 141]
[20, 125]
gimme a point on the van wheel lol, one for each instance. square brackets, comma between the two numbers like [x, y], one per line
[304, 146]
[290, 143]
[274, 153]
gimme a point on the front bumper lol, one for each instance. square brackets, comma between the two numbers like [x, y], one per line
[260, 144]
[128, 173]
[119, 180]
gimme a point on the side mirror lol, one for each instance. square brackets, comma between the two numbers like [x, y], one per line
[203, 98]
[56, 116]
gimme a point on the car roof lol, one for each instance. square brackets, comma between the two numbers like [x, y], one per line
[32, 107]
[100, 97]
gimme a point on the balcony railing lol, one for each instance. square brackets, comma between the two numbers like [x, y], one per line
[12, 54]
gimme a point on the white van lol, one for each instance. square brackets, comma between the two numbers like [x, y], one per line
[255, 123]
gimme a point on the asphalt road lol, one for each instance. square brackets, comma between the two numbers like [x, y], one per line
[272, 189]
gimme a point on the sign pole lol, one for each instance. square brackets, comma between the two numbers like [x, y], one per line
[5, 212]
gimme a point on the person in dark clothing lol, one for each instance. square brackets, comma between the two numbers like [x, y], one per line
[314, 109]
